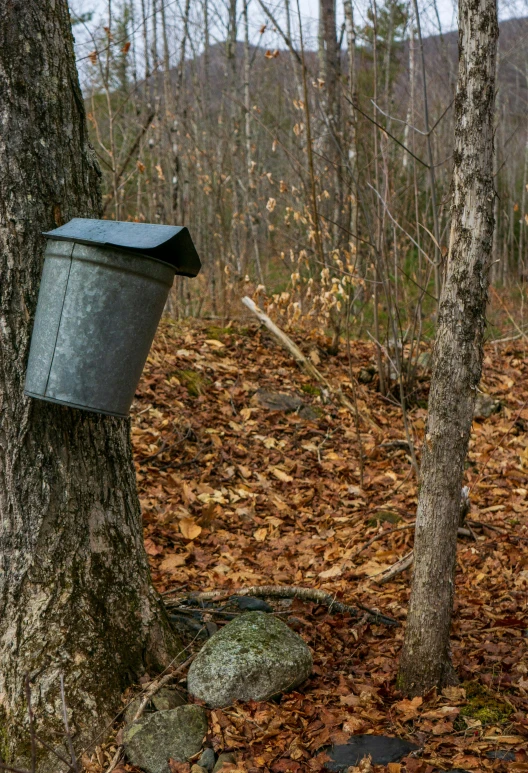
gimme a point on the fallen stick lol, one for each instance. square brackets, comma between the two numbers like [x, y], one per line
[491, 526]
[463, 532]
[499, 529]
[115, 760]
[305, 363]
[378, 536]
[394, 570]
[150, 691]
[404, 563]
[156, 686]
[292, 592]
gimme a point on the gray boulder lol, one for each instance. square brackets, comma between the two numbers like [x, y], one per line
[174, 734]
[253, 657]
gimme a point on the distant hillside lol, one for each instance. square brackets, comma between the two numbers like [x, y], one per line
[269, 75]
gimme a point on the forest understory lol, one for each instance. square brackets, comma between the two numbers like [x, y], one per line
[237, 495]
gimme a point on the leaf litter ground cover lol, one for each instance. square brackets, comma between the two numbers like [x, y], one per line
[235, 494]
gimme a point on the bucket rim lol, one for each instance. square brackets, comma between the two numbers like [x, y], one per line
[170, 245]
[79, 406]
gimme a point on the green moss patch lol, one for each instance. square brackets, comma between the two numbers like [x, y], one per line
[384, 516]
[484, 705]
[310, 390]
[217, 333]
[193, 381]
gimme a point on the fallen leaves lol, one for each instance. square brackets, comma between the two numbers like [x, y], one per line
[281, 475]
[236, 494]
[408, 708]
[189, 528]
[173, 561]
[260, 534]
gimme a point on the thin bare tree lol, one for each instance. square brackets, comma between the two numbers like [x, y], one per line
[425, 660]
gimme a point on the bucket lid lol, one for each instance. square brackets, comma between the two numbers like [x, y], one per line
[170, 244]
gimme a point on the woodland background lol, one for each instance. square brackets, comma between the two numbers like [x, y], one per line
[317, 179]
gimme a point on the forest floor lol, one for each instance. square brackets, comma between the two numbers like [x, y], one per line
[237, 495]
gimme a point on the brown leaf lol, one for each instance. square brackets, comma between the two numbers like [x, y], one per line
[281, 475]
[173, 561]
[454, 694]
[179, 767]
[409, 708]
[189, 528]
[152, 549]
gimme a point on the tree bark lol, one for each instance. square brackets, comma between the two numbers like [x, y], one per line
[352, 137]
[75, 590]
[425, 660]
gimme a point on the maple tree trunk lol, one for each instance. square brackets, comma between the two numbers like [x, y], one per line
[425, 660]
[75, 590]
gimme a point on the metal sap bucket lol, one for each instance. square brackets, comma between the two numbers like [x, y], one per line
[102, 293]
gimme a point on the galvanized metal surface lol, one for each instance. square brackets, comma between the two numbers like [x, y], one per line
[168, 243]
[97, 314]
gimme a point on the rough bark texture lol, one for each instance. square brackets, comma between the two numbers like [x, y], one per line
[457, 365]
[75, 591]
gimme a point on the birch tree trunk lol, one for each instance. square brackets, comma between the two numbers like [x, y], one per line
[425, 660]
[352, 138]
[75, 591]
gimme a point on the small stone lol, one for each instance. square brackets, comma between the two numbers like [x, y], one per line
[501, 754]
[168, 698]
[277, 401]
[254, 657]
[250, 604]
[366, 375]
[164, 699]
[485, 405]
[207, 760]
[226, 757]
[198, 769]
[382, 750]
[174, 734]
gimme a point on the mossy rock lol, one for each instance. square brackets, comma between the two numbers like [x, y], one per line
[175, 734]
[484, 705]
[254, 657]
[384, 516]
